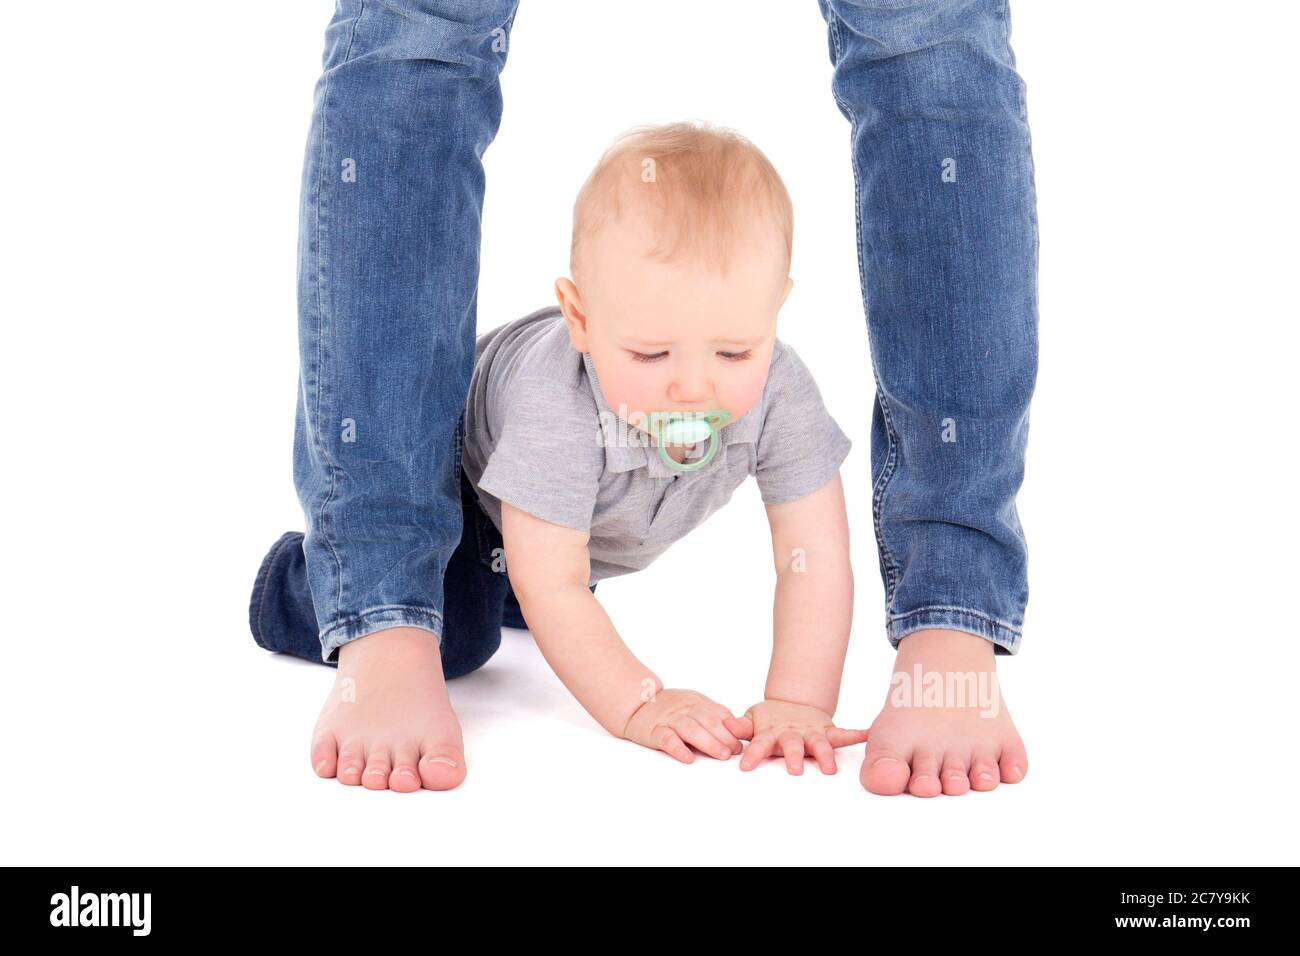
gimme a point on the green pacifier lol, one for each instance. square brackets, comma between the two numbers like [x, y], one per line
[686, 428]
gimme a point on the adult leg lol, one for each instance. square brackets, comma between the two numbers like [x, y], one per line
[392, 194]
[948, 249]
[283, 620]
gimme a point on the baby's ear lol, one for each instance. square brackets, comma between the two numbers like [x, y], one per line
[566, 293]
[789, 284]
[571, 306]
[577, 326]
[562, 285]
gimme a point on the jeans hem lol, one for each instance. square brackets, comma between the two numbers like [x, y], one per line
[257, 602]
[377, 619]
[1005, 637]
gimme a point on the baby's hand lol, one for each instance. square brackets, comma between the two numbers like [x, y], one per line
[674, 718]
[793, 728]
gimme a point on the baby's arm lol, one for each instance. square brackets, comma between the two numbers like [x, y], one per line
[812, 614]
[548, 565]
[813, 608]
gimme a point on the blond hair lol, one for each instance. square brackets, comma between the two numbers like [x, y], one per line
[704, 184]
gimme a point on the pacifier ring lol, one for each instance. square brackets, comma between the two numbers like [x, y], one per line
[687, 428]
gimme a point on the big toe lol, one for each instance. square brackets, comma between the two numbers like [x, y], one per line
[885, 771]
[442, 766]
[1014, 764]
[325, 755]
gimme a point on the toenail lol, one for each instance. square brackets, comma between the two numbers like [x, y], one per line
[447, 760]
[406, 772]
[1018, 772]
[323, 762]
[877, 763]
[349, 769]
[378, 770]
[986, 775]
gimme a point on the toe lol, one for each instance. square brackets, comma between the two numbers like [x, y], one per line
[378, 766]
[955, 775]
[925, 775]
[324, 755]
[1014, 763]
[352, 760]
[885, 771]
[442, 767]
[984, 773]
[405, 777]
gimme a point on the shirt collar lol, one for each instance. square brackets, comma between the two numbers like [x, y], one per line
[628, 448]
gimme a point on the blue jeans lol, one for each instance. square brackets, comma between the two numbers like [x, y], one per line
[477, 597]
[392, 191]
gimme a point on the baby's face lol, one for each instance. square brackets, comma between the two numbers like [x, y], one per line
[670, 337]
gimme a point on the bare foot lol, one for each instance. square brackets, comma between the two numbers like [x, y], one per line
[387, 723]
[949, 733]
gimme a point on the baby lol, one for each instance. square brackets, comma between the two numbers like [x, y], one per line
[596, 433]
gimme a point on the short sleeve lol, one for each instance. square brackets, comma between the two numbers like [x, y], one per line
[548, 456]
[801, 446]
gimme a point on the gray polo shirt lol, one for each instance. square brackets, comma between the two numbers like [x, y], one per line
[540, 435]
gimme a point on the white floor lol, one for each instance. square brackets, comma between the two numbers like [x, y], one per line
[1148, 743]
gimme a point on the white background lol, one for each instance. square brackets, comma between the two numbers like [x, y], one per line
[150, 199]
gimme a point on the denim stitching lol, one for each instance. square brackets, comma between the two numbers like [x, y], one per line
[878, 498]
[959, 610]
[320, 343]
[457, 446]
[322, 520]
[878, 492]
[261, 604]
[344, 623]
[352, 37]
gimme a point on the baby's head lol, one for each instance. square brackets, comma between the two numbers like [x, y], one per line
[680, 259]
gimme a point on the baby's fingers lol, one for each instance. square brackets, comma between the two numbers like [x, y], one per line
[742, 727]
[822, 752]
[839, 737]
[666, 739]
[694, 733]
[792, 746]
[759, 749]
[717, 726]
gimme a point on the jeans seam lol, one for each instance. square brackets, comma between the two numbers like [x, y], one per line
[322, 522]
[352, 37]
[878, 496]
[344, 623]
[457, 446]
[1006, 638]
[887, 559]
[261, 604]
[997, 622]
[321, 451]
